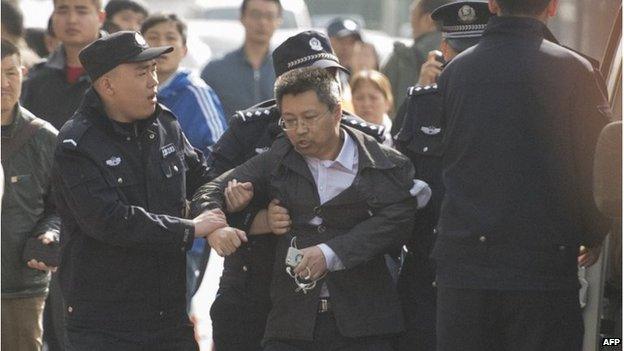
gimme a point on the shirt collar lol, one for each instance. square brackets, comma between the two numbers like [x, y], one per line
[347, 157]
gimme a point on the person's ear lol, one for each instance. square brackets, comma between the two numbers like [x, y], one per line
[493, 6]
[24, 70]
[106, 86]
[184, 50]
[552, 8]
[101, 16]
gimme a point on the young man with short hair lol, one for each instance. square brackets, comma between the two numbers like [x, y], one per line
[55, 87]
[27, 210]
[124, 15]
[523, 115]
[245, 77]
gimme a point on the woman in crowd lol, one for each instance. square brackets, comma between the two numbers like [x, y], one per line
[372, 99]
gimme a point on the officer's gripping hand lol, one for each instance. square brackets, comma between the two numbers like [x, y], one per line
[238, 195]
[430, 70]
[208, 222]
[312, 265]
[225, 241]
[278, 218]
[46, 238]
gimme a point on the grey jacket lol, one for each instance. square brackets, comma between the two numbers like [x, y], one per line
[27, 208]
[363, 222]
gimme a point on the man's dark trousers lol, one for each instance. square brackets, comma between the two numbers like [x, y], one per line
[484, 320]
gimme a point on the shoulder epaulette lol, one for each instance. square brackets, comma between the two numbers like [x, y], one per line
[72, 131]
[374, 130]
[256, 113]
[421, 90]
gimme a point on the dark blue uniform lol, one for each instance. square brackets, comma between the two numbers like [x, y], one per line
[121, 192]
[240, 310]
[420, 139]
[523, 115]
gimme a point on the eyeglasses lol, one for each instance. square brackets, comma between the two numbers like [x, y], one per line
[307, 121]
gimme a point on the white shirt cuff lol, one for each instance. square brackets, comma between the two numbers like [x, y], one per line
[332, 260]
[422, 192]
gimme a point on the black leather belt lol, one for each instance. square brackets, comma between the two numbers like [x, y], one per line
[324, 306]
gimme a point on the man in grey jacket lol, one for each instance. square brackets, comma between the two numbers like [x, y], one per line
[27, 210]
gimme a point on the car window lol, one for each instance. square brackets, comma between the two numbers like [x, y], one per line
[233, 13]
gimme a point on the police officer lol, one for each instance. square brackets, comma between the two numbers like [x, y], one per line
[123, 170]
[242, 304]
[420, 138]
[522, 115]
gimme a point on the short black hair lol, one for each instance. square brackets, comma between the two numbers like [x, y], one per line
[115, 6]
[9, 49]
[244, 5]
[12, 19]
[159, 18]
[96, 3]
[301, 80]
[35, 39]
[522, 7]
[428, 6]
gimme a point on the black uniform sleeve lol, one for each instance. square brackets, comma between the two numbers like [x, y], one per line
[197, 172]
[101, 213]
[592, 114]
[229, 151]
[211, 195]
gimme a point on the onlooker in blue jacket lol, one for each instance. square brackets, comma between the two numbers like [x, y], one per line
[194, 103]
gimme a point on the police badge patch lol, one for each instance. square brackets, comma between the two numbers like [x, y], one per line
[467, 14]
[315, 44]
[114, 161]
[139, 39]
[167, 150]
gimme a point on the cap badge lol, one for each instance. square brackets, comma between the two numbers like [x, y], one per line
[139, 39]
[467, 14]
[315, 44]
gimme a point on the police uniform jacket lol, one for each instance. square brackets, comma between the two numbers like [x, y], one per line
[523, 117]
[252, 132]
[360, 224]
[121, 192]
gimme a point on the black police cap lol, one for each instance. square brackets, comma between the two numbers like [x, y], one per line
[306, 49]
[112, 50]
[462, 23]
[343, 27]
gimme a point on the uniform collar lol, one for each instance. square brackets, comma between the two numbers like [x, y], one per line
[519, 26]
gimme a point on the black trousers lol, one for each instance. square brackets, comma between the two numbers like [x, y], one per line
[418, 300]
[484, 320]
[174, 338]
[237, 323]
[328, 338]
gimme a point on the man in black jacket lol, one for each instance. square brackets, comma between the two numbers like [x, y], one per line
[123, 171]
[350, 200]
[523, 116]
[240, 310]
[420, 138]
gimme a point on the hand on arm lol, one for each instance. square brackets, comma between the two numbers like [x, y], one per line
[278, 218]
